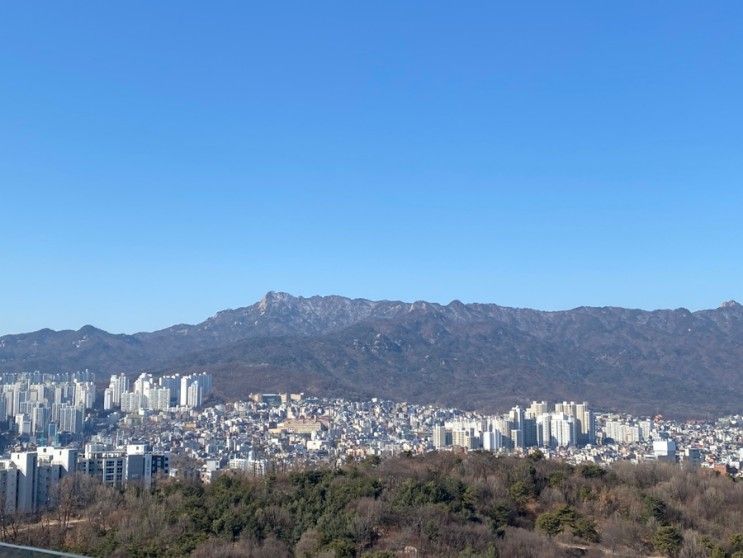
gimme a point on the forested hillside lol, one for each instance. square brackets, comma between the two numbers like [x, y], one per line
[477, 356]
[439, 504]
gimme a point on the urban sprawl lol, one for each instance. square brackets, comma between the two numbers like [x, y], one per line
[136, 431]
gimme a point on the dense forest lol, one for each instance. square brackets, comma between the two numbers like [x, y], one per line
[440, 504]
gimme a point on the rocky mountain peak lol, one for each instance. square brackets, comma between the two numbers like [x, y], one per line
[643, 360]
[272, 299]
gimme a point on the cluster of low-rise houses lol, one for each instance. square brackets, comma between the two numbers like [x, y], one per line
[161, 427]
[281, 431]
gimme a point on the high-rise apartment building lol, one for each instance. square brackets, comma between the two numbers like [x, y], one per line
[29, 481]
[84, 394]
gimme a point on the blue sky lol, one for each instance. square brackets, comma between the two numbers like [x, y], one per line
[160, 161]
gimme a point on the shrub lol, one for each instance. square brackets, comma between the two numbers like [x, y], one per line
[668, 540]
[592, 471]
[550, 523]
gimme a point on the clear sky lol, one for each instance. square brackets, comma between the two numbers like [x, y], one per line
[160, 161]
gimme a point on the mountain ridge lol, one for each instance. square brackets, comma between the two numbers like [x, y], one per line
[728, 304]
[470, 355]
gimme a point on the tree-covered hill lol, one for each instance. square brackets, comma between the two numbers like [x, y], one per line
[484, 356]
[438, 504]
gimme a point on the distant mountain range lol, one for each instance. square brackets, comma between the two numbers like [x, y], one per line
[483, 356]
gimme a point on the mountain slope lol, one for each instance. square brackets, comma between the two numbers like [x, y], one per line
[470, 355]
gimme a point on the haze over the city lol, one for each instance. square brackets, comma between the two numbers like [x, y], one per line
[163, 161]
